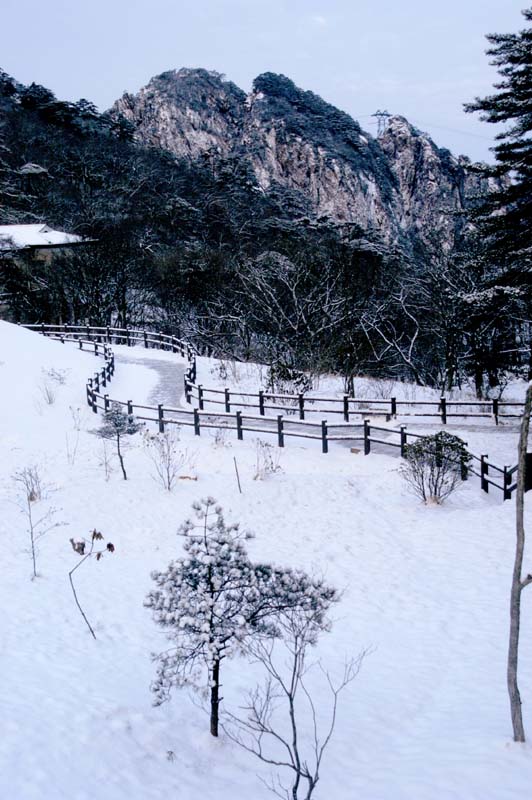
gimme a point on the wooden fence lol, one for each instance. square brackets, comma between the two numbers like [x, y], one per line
[280, 427]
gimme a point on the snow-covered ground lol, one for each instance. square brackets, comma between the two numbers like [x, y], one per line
[426, 589]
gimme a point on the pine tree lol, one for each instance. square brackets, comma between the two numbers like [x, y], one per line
[214, 598]
[117, 424]
[506, 215]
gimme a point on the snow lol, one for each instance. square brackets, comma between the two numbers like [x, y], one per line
[425, 589]
[33, 236]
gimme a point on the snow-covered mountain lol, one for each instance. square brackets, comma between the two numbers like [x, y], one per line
[401, 185]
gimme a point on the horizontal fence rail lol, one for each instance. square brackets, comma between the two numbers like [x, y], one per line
[98, 340]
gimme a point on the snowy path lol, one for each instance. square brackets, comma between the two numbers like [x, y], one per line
[170, 370]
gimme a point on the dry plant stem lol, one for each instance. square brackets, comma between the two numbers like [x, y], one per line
[518, 583]
[89, 626]
[237, 476]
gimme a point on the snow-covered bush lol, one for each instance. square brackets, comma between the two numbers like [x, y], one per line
[165, 455]
[116, 425]
[435, 465]
[266, 460]
[214, 599]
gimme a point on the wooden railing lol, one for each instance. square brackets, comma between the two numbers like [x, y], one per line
[280, 426]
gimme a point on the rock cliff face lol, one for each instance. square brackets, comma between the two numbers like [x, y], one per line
[400, 185]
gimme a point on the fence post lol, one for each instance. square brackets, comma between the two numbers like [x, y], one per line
[160, 340]
[280, 430]
[393, 401]
[443, 409]
[104, 377]
[43, 331]
[145, 339]
[261, 403]
[346, 407]
[97, 381]
[130, 408]
[507, 480]
[495, 411]
[88, 331]
[324, 442]
[108, 334]
[200, 396]
[484, 485]
[80, 344]
[89, 391]
[160, 415]
[403, 440]
[96, 348]
[196, 422]
[94, 401]
[227, 398]
[301, 403]
[188, 393]
[106, 403]
[128, 337]
[367, 442]
[464, 472]
[239, 432]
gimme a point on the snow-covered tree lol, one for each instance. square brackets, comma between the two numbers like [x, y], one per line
[212, 600]
[117, 424]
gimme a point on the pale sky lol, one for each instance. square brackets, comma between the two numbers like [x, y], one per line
[419, 58]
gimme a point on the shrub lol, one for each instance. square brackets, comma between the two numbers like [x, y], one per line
[435, 465]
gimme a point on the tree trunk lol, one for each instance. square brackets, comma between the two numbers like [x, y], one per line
[215, 697]
[517, 583]
[120, 457]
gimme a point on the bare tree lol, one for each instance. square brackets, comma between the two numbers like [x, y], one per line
[80, 547]
[279, 740]
[31, 491]
[518, 582]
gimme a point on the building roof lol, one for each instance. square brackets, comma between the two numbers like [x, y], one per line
[18, 236]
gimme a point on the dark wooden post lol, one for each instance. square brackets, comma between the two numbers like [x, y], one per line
[324, 442]
[108, 334]
[89, 392]
[495, 411]
[227, 398]
[43, 330]
[346, 407]
[261, 403]
[160, 343]
[160, 415]
[443, 409]
[94, 401]
[200, 396]
[145, 339]
[484, 485]
[95, 348]
[97, 381]
[239, 432]
[367, 442]
[106, 402]
[196, 422]
[88, 331]
[507, 481]
[104, 377]
[80, 344]
[128, 337]
[188, 393]
[280, 430]
[301, 403]
[130, 408]
[403, 440]
[393, 401]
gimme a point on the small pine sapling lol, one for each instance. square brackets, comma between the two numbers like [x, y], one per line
[87, 548]
[117, 425]
[214, 599]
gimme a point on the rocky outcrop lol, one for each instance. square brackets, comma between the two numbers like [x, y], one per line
[401, 185]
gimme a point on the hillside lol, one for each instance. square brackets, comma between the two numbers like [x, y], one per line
[424, 589]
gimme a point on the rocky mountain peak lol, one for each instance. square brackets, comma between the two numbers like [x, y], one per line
[401, 184]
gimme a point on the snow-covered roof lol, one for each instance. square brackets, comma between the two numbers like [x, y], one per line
[39, 235]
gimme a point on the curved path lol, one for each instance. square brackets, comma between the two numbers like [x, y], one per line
[170, 374]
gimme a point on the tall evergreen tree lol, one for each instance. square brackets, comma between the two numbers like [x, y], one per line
[506, 215]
